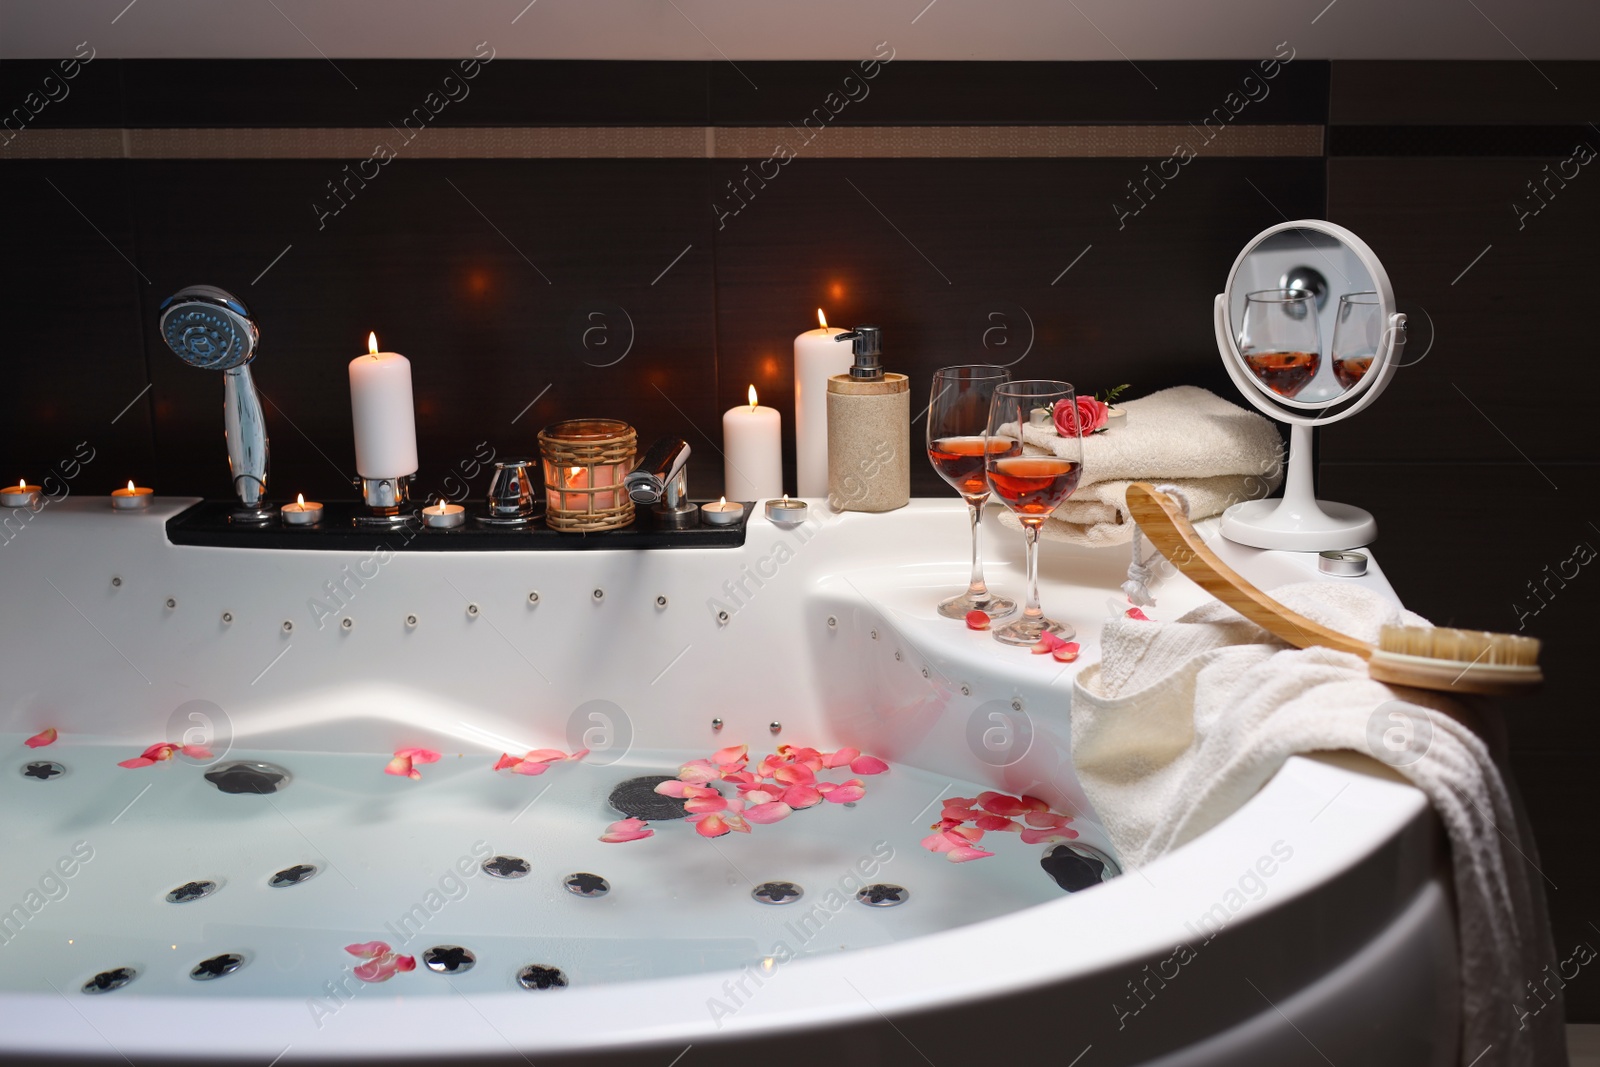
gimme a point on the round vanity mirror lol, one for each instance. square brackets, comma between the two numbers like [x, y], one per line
[1308, 331]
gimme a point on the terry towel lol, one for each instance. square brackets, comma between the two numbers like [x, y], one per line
[1182, 722]
[1215, 452]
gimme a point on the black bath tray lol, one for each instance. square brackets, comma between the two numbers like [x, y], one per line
[208, 524]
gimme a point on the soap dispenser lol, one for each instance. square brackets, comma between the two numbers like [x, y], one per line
[869, 430]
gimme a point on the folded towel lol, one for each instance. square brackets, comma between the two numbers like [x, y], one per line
[1182, 722]
[1215, 452]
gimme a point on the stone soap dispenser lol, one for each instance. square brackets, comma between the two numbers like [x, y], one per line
[869, 430]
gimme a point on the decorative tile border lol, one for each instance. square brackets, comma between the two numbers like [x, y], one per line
[668, 142]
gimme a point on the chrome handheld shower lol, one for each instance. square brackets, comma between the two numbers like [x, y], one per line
[212, 329]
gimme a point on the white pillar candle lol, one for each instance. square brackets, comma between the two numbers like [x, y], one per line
[752, 449]
[817, 357]
[380, 404]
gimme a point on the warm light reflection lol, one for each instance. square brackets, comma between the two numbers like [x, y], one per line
[752, 398]
[822, 320]
[372, 342]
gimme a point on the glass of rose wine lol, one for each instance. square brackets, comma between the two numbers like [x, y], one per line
[1032, 486]
[1357, 329]
[958, 415]
[1279, 338]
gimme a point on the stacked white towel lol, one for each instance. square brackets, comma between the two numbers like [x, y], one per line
[1215, 452]
[1182, 722]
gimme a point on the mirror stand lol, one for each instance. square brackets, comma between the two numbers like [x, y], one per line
[1298, 521]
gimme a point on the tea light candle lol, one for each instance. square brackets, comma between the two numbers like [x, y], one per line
[302, 512]
[752, 447]
[722, 513]
[380, 406]
[133, 498]
[817, 357]
[443, 515]
[1041, 417]
[19, 496]
[786, 512]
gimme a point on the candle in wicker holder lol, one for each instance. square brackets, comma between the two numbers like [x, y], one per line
[585, 461]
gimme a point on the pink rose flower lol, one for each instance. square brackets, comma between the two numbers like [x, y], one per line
[1091, 415]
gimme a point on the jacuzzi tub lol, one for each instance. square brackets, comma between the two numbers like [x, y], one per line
[1313, 925]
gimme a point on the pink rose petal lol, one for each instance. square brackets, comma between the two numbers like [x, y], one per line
[1067, 653]
[1001, 804]
[405, 963]
[368, 950]
[1033, 803]
[795, 774]
[137, 761]
[711, 826]
[868, 765]
[997, 823]
[530, 768]
[626, 830]
[705, 805]
[400, 766]
[42, 738]
[1135, 613]
[545, 755]
[847, 792]
[802, 796]
[736, 823]
[700, 770]
[1039, 837]
[840, 758]
[768, 812]
[966, 855]
[506, 760]
[196, 751]
[1048, 642]
[1046, 820]
[418, 755]
[731, 754]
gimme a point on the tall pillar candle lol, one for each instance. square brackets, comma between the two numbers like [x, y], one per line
[817, 357]
[380, 405]
[752, 449]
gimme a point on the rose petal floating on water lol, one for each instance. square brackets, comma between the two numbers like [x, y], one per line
[868, 765]
[965, 855]
[710, 825]
[768, 812]
[368, 950]
[419, 755]
[802, 796]
[843, 792]
[627, 830]
[42, 738]
[731, 754]
[840, 758]
[1040, 837]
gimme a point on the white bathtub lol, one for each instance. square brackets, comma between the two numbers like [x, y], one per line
[1336, 941]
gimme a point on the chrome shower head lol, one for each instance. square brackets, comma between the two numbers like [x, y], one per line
[209, 328]
[212, 329]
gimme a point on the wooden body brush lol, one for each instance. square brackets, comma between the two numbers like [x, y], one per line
[1452, 661]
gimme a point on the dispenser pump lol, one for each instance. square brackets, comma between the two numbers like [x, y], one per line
[867, 344]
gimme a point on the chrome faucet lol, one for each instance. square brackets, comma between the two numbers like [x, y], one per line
[661, 477]
[212, 329]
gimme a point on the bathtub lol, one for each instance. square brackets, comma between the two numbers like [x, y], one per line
[1313, 925]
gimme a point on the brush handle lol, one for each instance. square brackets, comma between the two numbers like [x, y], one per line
[1166, 526]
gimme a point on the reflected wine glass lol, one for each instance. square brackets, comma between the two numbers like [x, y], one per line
[1279, 338]
[1357, 330]
[1031, 486]
[958, 416]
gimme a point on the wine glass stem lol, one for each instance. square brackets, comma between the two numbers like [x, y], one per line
[1031, 533]
[977, 591]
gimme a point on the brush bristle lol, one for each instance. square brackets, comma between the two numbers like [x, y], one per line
[1461, 646]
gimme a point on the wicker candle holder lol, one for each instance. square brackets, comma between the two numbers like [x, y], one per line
[585, 461]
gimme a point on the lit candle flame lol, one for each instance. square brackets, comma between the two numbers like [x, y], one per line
[130, 485]
[822, 320]
[752, 398]
[300, 499]
[372, 343]
[722, 502]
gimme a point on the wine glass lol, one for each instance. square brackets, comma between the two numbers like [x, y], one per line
[1279, 338]
[1031, 486]
[958, 414]
[1357, 329]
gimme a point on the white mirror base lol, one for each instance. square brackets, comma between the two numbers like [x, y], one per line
[1299, 526]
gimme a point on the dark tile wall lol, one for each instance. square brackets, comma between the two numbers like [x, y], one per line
[489, 273]
[1480, 459]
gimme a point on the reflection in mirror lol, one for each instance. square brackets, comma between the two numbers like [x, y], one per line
[1279, 338]
[1303, 258]
[1357, 329]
